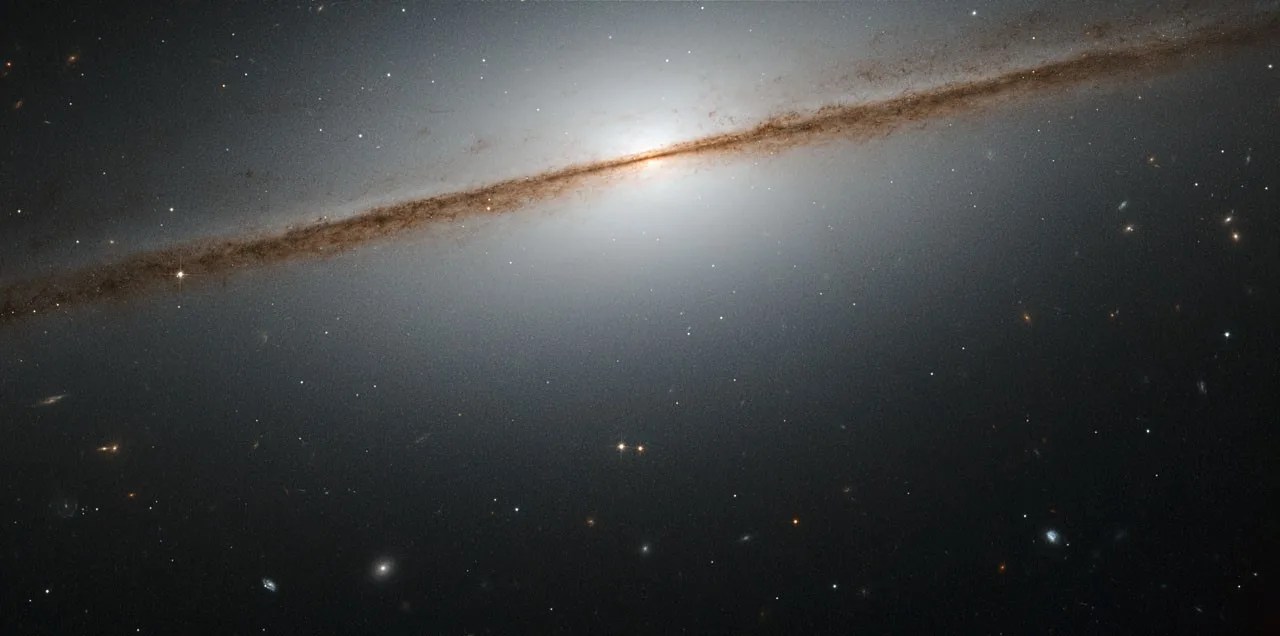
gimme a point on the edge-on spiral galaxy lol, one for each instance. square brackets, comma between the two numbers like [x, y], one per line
[201, 260]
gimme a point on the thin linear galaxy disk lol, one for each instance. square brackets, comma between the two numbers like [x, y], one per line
[156, 270]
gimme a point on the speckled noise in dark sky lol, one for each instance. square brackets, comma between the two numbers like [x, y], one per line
[199, 260]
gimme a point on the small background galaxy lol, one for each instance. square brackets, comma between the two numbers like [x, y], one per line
[1000, 370]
